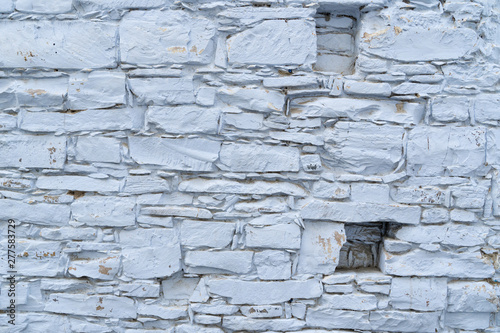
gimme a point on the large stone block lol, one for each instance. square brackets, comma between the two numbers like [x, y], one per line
[274, 42]
[36, 94]
[96, 90]
[320, 247]
[236, 262]
[162, 91]
[248, 292]
[251, 187]
[158, 37]
[258, 158]
[364, 148]
[280, 236]
[104, 211]
[418, 294]
[40, 213]
[58, 44]
[184, 119]
[97, 306]
[423, 263]
[195, 154]
[435, 151]
[206, 234]
[28, 151]
[471, 296]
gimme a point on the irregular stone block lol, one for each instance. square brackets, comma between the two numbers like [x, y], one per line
[253, 99]
[274, 42]
[205, 233]
[243, 323]
[184, 119]
[470, 296]
[247, 292]
[98, 306]
[58, 44]
[419, 294]
[162, 91]
[258, 158]
[420, 44]
[178, 287]
[326, 317]
[44, 7]
[320, 247]
[177, 211]
[273, 265]
[251, 187]
[358, 212]
[450, 108]
[462, 155]
[26, 151]
[163, 312]
[364, 148]
[423, 263]
[356, 302]
[36, 94]
[97, 149]
[238, 262]
[78, 183]
[159, 37]
[96, 90]
[449, 234]
[94, 265]
[468, 321]
[281, 236]
[395, 321]
[40, 213]
[195, 154]
[104, 211]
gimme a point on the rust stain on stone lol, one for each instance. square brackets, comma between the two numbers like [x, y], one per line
[104, 270]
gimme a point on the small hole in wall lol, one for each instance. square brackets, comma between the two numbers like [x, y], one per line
[335, 41]
[363, 242]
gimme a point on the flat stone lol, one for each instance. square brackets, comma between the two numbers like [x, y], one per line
[243, 323]
[78, 183]
[356, 302]
[261, 100]
[274, 42]
[177, 211]
[258, 158]
[177, 154]
[28, 151]
[326, 317]
[87, 44]
[158, 37]
[418, 294]
[162, 91]
[96, 90]
[273, 265]
[281, 236]
[184, 119]
[97, 149]
[423, 263]
[238, 262]
[449, 234]
[320, 247]
[395, 321]
[462, 155]
[40, 213]
[358, 212]
[104, 211]
[262, 293]
[470, 296]
[98, 306]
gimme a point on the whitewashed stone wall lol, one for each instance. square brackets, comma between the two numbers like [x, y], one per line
[234, 166]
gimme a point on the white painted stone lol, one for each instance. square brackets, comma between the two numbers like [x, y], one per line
[408, 88]
[468, 321]
[177, 154]
[36, 94]
[359, 212]
[360, 109]
[99, 306]
[262, 293]
[95, 266]
[364, 148]
[78, 183]
[152, 262]
[251, 121]
[177, 211]
[334, 63]
[40, 213]
[335, 42]
[162, 91]
[485, 108]
[274, 42]
[325, 317]
[254, 187]
[97, 149]
[470, 296]
[215, 309]
[206, 234]
[158, 37]
[327, 190]
[262, 311]
[17, 151]
[395, 321]
[163, 312]
[243, 323]
[145, 184]
[104, 211]
[258, 158]
[356, 301]
[44, 7]
[367, 88]
[253, 99]
[371, 193]
[97, 5]
[85, 44]
[420, 44]
[238, 262]
[463, 153]
[69, 233]
[418, 294]
[272, 265]
[291, 81]
[178, 287]
[450, 108]
[140, 289]
[422, 263]
[449, 234]
[251, 15]
[187, 328]
[96, 90]
[281, 236]
[300, 137]
[184, 119]
[320, 247]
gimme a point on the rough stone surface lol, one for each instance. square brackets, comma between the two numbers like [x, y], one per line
[254, 166]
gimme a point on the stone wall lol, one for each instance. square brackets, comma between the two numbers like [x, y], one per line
[250, 166]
